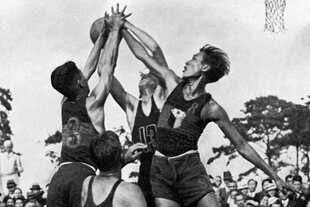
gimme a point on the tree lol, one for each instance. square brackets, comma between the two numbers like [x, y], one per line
[264, 124]
[5, 107]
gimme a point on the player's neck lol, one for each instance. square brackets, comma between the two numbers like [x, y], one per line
[194, 87]
[111, 174]
[146, 95]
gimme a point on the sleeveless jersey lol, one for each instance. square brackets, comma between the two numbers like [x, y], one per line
[108, 202]
[180, 124]
[144, 130]
[77, 132]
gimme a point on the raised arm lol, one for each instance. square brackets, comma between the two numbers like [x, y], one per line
[148, 42]
[92, 60]
[163, 73]
[213, 111]
[125, 100]
[107, 61]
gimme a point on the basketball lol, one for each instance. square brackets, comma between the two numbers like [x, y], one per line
[96, 28]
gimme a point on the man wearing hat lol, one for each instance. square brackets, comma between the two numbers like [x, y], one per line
[10, 185]
[224, 192]
[37, 193]
[10, 164]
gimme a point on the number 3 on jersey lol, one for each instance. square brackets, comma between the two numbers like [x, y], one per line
[147, 136]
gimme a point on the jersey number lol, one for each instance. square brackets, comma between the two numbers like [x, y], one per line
[147, 136]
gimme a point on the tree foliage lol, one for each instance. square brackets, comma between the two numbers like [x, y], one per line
[264, 124]
[5, 107]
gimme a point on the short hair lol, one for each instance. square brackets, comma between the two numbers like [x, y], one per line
[106, 151]
[269, 180]
[252, 180]
[63, 78]
[239, 194]
[218, 60]
[18, 189]
[288, 176]
[297, 178]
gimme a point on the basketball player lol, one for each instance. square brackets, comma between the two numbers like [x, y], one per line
[107, 189]
[178, 177]
[143, 113]
[83, 115]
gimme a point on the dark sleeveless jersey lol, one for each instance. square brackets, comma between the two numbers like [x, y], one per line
[144, 130]
[108, 202]
[77, 132]
[180, 124]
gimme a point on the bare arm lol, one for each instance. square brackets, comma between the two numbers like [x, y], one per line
[163, 73]
[132, 195]
[107, 60]
[213, 111]
[124, 99]
[148, 42]
[92, 60]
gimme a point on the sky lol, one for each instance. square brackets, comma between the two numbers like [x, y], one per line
[39, 35]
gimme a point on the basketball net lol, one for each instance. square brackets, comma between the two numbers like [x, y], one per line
[274, 21]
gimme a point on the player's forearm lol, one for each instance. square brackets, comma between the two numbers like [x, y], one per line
[92, 60]
[136, 47]
[108, 58]
[252, 156]
[145, 38]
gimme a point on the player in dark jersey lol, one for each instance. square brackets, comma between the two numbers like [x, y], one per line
[107, 189]
[143, 113]
[178, 177]
[83, 115]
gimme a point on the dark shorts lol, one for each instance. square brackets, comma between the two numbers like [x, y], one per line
[144, 178]
[183, 180]
[66, 185]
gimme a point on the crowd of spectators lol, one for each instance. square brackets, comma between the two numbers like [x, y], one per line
[230, 193]
[16, 198]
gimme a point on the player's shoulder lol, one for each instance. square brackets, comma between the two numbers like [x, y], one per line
[212, 110]
[129, 190]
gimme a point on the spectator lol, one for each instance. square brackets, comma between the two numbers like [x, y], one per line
[266, 182]
[240, 200]
[10, 202]
[18, 193]
[243, 188]
[264, 200]
[297, 184]
[271, 190]
[252, 184]
[289, 179]
[19, 202]
[32, 200]
[218, 181]
[10, 163]
[38, 192]
[275, 202]
[10, 185]
[231, 201]
[249, 202]
[224, 192]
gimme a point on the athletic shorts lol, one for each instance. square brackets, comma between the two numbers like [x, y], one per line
[183, 179]
[66, 185]
[144, 179]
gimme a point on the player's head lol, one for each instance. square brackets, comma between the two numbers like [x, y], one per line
[210, 61]
[68, 80]
[148, 81]
[106, 152]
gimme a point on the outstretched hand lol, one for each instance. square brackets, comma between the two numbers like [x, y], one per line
[133, 152]
[116, 20]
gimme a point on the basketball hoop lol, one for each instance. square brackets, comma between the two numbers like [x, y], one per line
[274, 21]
